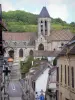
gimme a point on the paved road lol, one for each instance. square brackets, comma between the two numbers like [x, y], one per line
[15, 89]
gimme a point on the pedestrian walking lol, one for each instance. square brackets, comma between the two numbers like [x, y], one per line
[42, 96]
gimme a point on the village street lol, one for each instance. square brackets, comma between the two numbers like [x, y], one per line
[18, 87]
[15, 89]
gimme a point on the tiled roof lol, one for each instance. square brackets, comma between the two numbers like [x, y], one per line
[60, 35]
[55, 35]
[72, 51]
[69, 48]
[39, 70]
[44, 13]
[19, 36]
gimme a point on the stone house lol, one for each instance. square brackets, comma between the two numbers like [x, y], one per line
[66, 72]
[20, 45]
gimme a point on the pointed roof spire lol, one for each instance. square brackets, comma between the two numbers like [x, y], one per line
[44, 13]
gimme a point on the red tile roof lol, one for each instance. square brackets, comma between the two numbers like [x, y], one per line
[18, 36]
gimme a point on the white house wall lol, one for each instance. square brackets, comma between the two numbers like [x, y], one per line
[41, 82]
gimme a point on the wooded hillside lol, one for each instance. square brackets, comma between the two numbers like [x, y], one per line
[21, 21]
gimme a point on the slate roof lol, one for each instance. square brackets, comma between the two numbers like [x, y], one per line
[39, 70]
[69, 48]
[44, 13]
[60, 35]
[72, 51]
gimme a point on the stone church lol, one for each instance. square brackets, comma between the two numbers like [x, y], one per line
[42, 43]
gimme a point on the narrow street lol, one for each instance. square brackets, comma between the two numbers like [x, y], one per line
[15, 88]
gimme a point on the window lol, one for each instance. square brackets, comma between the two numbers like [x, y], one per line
[33, 85]
[61, 73]
[65, 74]
[11, 53]
[45, 24]
[21, 53]
[68, 76]
[72, 72]
[41, 47]
[31, 53]
[24, 43]
[41, 21]
[57, 74]
[15, 43]
[62, 44]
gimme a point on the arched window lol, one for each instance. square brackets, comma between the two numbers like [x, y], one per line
[31, 53]
[41, 47]
[21, 53]
[11, 53]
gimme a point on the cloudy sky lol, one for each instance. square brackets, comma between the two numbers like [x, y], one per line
[64, 9]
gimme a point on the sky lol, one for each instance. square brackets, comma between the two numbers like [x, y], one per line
[64, 9]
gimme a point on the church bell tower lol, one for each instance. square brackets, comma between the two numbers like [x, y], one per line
[44, 22]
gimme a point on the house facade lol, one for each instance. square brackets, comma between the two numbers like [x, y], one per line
[51, 83]
[37, 79]
[20, 45]
[66, 72]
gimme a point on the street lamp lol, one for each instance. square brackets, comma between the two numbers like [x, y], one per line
[10, 62]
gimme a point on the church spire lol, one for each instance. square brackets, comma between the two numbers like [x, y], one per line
[44, 20]
[44, 13]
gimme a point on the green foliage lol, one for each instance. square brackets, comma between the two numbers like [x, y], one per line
[17, 16]
[44, 58]
[54, 62]
[26, 65]
[21, 21]
[17, 27]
